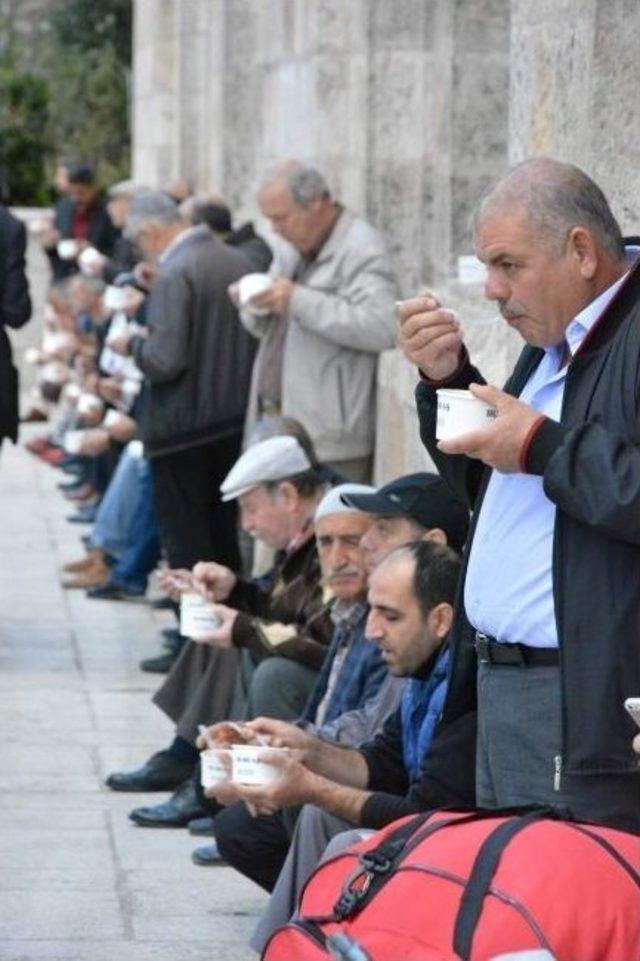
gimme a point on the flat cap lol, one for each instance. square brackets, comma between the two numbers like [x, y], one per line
[274, 459]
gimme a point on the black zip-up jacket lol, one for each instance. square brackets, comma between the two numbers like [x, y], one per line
[590, 463]
[197, 359]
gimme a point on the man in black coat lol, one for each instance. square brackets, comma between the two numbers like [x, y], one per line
[15, 311]
[81, 216]
[550, 596]
[197, 363]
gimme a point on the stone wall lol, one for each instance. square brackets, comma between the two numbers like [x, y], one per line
[410, 107]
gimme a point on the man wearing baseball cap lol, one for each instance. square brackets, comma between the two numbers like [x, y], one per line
[413, 507]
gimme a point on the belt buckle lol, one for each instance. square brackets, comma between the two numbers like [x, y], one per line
[483, 649]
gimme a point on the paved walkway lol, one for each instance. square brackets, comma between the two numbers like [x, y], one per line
[78, 881]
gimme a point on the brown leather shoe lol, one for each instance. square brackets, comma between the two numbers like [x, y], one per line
[96, 575]
[95, 555]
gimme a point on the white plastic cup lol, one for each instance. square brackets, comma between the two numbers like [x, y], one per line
[115, 298]
[73, 441]
[249, 768]
[215, 766]
[112, 418]
[197, 616]
[88, 404]
[460, 412]
[90, 261]
[68, 249]
[249, 287]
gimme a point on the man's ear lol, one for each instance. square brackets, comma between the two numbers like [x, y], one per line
[582, 247]
[288, 494]
[435, 534]
[440, 618]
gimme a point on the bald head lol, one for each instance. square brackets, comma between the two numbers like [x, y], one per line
[553, 198]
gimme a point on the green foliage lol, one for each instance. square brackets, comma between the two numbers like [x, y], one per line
[64, 92]
[23, 116]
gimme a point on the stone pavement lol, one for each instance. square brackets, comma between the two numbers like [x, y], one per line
[78, 881]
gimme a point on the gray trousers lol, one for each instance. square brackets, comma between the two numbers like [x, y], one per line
[520, 750]
[208, 684]
[314, 830]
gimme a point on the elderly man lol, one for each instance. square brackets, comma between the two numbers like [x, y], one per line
[329, 314]
[273, 633]
[411, 508]
[551, 597]
[197, 361]
[410, 596]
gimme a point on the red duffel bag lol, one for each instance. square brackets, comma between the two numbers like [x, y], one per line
[455, 886]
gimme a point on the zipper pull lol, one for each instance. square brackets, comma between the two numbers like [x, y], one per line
[557, 766]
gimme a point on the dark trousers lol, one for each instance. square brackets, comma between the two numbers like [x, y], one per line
[256, 847]
[194, 523]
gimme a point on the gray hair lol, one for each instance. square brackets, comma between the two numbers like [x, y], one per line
[151, 206]
[555, 197]
[305, 182]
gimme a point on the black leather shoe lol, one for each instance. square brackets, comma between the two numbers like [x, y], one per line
[115, 592]
[164, 604]
[183, 806]
[202, 827]
[162, 772]
[171, 639]
[158, 665]
[207, 856]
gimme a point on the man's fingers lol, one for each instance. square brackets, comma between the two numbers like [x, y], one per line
[487, 393]
[469, 443]
[414, 305]
[429, 320]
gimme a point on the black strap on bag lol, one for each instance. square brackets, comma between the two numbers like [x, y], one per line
[376, 867]
[482, 872]
[488, 858]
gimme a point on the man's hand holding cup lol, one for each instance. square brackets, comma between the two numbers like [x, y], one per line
[430, 336]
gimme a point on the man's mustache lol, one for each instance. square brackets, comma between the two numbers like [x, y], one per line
[510, 310]
[350, 571]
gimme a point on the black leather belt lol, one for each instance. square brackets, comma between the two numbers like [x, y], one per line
[490, 651]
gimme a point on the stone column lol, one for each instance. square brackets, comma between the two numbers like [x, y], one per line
[575, 73]
[156, 103]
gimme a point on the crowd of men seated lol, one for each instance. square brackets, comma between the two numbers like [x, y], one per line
[230, 440]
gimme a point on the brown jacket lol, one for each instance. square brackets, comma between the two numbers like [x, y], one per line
[286, 616]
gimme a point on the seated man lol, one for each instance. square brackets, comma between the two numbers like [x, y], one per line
[411, 596]
[413, 507]
[353, 668]
[283, 615]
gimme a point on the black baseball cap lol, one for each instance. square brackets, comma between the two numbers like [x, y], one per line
[424, 498]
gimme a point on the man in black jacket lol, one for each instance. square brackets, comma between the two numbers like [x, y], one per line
[197, 363]
[81, 216]
[549, 608]
[15, 310]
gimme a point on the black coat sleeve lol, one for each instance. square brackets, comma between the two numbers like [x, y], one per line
[384, 758]
[15, 303]
[447, 777]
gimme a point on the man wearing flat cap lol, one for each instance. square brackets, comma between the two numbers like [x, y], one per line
[282, 614]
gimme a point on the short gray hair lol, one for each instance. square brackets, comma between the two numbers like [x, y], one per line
[305, 182]
[555, 197]
[149, 206]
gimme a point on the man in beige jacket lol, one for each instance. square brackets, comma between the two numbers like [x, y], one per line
[327, 315]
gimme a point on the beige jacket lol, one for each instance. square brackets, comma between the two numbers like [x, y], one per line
[341, 316]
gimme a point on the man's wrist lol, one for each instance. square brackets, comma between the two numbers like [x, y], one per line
[452, 379]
